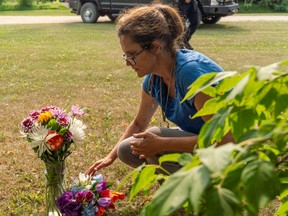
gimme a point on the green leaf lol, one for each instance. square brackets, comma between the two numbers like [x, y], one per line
[133, 175]
[215, 128]
[269, 98]
[239, 88]
[216, 159]
[205, 81]
[281, 104]
[260, 183]
[283, 209]
[228, 83]
[185, 158]
[284, 180]
[63, 131]
[169, 158]
[266, 73]
[210, 90]
[180, 187]
[199, 182]
[221, 201]
[145, 178]
[284, 194]
[242, 121]
[210, 107]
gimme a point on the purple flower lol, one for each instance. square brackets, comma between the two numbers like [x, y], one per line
[101, 186]
[68, 137]
[63, 200]
[63, 120]
[57, 111]
[49, 108]
[89, 196]
[104, 202]
[76, 111]
[34, 114]
[27, 124]
[72, 208]
[80, 196]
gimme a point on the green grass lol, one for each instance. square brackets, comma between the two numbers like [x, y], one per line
[46, 12]
[76, 63]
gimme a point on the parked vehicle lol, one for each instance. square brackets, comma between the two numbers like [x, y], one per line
[91, 10]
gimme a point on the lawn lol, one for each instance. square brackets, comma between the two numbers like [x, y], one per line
[81, 64]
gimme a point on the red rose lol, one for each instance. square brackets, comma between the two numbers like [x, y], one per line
[116, 195]
[105, 193]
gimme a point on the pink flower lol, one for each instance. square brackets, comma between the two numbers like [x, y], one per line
[63, 120]
[27, 124]
[76, 111]
[34, 114]
[80, 196]
[89, 196]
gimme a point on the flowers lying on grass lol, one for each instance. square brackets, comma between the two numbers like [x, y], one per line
[88, 197]
[51, 130]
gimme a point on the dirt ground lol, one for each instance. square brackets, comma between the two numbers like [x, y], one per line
[10, 20]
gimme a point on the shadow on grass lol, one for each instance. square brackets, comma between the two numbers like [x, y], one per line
[222, 28]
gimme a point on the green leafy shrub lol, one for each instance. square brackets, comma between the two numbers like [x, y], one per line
[274, 5]
[233, 178]
[2, 1]
[25, 3]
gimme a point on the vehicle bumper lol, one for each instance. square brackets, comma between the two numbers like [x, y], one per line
[221, 10]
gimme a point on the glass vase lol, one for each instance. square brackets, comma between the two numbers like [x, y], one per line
[55, 186]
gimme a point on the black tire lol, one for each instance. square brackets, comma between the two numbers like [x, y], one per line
[211, 19]
[89, 13]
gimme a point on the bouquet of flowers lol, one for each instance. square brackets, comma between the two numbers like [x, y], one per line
[88, 197]
[51, 130]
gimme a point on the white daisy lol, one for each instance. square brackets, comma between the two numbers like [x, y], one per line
[38, 139]
[77, 129]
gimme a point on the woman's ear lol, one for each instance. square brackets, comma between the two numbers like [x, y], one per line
[156, 46]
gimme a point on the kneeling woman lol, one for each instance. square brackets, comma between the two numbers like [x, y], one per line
[149, 36]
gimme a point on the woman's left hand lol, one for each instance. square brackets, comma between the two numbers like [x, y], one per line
[146, 144]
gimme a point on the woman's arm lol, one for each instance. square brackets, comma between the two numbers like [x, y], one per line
[199, 101]
[151, 144]
[146, 110]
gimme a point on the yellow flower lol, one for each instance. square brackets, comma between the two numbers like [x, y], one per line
[45, 116]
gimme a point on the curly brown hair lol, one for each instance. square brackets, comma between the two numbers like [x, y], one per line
[144, 24]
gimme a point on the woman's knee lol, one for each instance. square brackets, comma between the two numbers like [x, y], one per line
[123, 150]
[125, 154]
[155, 130]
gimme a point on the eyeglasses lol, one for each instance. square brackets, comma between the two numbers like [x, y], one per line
[131, 60]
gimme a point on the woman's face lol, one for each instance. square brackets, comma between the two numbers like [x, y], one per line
[141, 60]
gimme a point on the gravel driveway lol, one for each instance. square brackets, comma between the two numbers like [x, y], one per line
[10, 20]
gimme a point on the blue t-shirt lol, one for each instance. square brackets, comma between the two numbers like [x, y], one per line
[188, 67]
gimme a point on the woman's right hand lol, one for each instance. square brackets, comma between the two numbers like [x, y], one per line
[99, 165]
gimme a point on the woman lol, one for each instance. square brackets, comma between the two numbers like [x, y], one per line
[148, 36]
